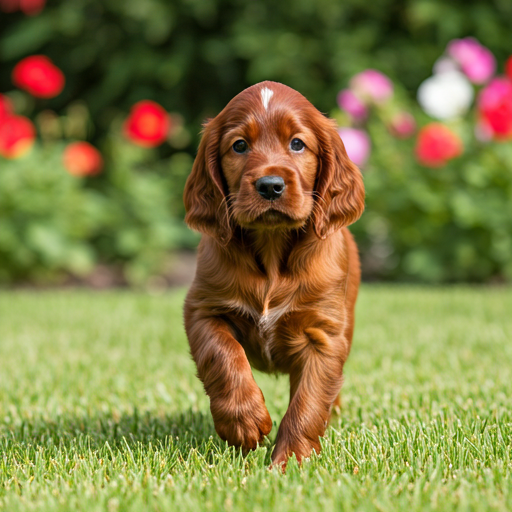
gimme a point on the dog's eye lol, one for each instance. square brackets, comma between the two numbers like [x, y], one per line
[240, 146]
[297, 145]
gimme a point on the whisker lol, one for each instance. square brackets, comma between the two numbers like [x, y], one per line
[318, 196]
[228, 212]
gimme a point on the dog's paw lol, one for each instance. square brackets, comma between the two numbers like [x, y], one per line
[243, 421]
[284, 449]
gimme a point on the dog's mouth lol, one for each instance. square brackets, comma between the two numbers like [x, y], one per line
[255, 213]
[272, 216]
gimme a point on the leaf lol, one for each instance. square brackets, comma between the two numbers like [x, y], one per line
[26, 37]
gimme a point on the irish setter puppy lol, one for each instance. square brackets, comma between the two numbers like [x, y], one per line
[272, 191]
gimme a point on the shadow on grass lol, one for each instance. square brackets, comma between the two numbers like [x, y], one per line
[192, 427]
[181, 431]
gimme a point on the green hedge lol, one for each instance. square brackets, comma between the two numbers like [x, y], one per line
[446, 224]
[192, 56]
[55, 225]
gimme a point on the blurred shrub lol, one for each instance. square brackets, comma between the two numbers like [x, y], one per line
[439, 204]
[146, 210]
[54, 224]
[48, 218]
[192, 57]
[446, 224]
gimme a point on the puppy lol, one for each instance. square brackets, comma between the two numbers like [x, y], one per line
[272, 191]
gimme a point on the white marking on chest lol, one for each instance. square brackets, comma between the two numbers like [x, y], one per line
[269, 317]
[265, 322]
[266, 328]
[266, 94]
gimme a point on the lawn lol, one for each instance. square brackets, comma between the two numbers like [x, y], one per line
[100, 409]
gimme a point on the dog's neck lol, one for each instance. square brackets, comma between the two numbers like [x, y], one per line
[277, 251]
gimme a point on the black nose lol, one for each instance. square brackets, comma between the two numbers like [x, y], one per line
[270, 187]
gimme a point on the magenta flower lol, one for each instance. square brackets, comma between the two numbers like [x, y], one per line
[372, 85]
[495, 107]
[357, 144]
[351, 104]
[402, 125]
[476, 61]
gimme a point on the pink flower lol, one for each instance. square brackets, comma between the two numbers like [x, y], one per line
[351, 104]
[403, 125]
[495, 107]
[372, 85]
[357, 144]
[476, 61]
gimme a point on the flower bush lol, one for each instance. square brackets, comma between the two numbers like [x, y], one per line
[59, 222]
[439, 200]
[61, 216]
[94, 154]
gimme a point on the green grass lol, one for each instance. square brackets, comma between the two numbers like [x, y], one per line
[100, 409]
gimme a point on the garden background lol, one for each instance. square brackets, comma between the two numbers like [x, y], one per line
[101, 106]
[124, 215]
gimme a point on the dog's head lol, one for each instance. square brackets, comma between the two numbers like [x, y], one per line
[271, 160]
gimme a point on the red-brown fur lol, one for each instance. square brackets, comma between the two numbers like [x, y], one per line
[277, 281]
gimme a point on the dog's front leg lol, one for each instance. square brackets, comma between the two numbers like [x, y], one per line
[236, 402]
[315, 381]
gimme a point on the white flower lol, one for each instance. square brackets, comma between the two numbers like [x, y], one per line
[446, 95]
[445, 65]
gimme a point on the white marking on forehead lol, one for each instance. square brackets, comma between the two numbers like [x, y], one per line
[266, 94]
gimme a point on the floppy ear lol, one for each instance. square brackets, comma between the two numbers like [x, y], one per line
[204, 195]
[339, 186]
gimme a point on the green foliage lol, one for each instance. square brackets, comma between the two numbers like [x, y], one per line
[47, 218]
[447, 224]
[146, 210]
[54, 224]
[101, 409]
[192, 57]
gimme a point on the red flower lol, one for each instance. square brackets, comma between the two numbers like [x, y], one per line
[39, 76]
[508, 68]
[495, 107]
[5, 107]
[29, 7]
[32, 7]
[82, 159]
[147, 125]
[9, 5]
[436, 145]
[17, 135]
